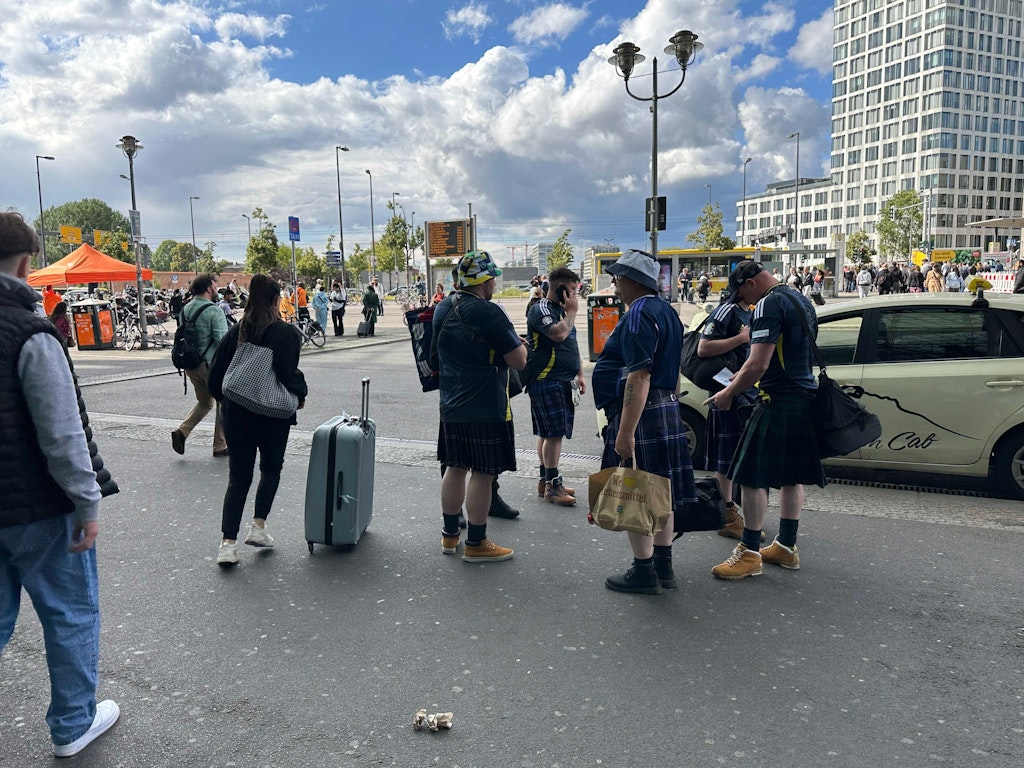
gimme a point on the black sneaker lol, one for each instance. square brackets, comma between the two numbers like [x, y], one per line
[500, 509]
[643, 581]
[663, 567]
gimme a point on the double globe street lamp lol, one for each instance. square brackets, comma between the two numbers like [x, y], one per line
[684, 46]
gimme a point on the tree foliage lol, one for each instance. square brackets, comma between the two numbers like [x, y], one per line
[89, 214]
[117, 245]
[710, 232]
[261, 254]
[561, 254]
[858, 248]
[161, 261]
[356, 261]
[899, 228]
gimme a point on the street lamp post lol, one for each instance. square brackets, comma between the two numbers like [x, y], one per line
[684, 47]
[248, 224]
[42, 226]
[796, 198]
[743, 214]
[709, 196]
[195, 251]
[373, 236]
[130, 147]
[341, 225]
[394, 214]
[408, 242]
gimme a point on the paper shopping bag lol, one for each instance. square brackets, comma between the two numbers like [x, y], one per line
[627, 499]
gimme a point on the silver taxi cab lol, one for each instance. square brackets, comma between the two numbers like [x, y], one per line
[944, 372]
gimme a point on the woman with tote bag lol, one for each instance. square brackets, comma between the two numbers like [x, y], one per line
[255, 376]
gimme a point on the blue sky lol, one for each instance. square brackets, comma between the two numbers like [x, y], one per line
[507, 105]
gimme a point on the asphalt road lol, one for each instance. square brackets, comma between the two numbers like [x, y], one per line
[900, 642]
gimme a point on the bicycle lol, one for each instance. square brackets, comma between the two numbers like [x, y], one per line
[311, 332]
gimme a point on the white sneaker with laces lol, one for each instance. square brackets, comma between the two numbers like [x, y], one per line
[227, 554]
[258, 537]
[107, 713]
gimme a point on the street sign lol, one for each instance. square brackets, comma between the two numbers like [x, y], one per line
[136, 221]
[648, 213]
[174, 278]
[71, 235]
[333, 258]
[293, 229]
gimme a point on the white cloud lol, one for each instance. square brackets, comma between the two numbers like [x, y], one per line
[761, 65]
[469, 21]
[547, 24]
[231, 25]
[813, 48]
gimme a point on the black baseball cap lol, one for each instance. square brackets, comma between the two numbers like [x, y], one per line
[743, 272]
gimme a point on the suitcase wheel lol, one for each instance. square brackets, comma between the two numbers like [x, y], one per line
[310, 543]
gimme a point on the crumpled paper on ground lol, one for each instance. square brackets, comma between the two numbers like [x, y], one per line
[435, 722]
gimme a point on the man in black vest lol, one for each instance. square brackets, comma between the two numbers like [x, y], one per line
[51, 494]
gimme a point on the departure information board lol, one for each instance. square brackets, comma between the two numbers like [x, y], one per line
[447, 239]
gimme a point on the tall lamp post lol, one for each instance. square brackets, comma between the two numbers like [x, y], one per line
[341, 225]
[394, 213]
[195, 251]
[42, 226]
[743, 214]
[408, 241]
[248, 224]
[796, 198]
[684, 46]
[130, 147]
[373, 236]
[709, 195]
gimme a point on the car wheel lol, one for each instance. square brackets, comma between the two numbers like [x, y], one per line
[1008, 465]
[694, 426]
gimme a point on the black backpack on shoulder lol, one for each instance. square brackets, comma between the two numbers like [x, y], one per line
[185, 353]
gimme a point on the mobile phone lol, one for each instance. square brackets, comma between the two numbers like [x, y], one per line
[563, 294]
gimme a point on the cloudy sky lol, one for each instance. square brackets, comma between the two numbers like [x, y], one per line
[506, 104]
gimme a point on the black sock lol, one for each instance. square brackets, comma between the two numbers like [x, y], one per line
[550, 474]
[476, 534]
[451, 525]
[663, 552]
[751, 538]
[645, 564]
[543, 475]
[787, 532]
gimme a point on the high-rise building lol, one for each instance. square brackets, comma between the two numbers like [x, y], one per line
[928, 95]
[537, 256]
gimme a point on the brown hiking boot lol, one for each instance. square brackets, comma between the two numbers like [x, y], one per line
[733, 528]
[556, 493]
[542, 485]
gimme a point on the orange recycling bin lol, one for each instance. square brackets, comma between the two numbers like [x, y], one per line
[94, 324]
[603, 313]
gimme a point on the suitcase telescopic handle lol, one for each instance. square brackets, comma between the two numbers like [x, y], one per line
[366, 401]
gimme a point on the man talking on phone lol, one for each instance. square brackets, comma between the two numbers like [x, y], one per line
[554, 378]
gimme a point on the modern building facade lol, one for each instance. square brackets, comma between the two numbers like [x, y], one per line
[771, 214]
[537, 255]
[927, 95]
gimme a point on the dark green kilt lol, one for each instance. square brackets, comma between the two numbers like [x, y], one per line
[778, 447]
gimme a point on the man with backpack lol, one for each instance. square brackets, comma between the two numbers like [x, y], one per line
[195, 344]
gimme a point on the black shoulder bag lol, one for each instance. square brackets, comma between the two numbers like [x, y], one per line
[702, 370]
[842, 424]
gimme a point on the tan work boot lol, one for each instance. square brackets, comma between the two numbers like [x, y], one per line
[557, 493]
[734, 523]
[542, 485]
[486, 552]
[741, 563]
[780, 554]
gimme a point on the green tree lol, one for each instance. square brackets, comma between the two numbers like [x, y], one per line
[899, 228]
[89, 214]
[261, 252]
[309, 265]
[184, 258]
[561, 254]
[710, 232]
[357, 260]
[161, 261]
[391, 247]
[858, 249]
[117, 245]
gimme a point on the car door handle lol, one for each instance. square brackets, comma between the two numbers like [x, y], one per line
[1007, 384]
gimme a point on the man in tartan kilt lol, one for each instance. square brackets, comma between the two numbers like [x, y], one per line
[635, 381]
[777, 448]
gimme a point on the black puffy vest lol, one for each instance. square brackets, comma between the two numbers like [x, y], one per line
[28, 492]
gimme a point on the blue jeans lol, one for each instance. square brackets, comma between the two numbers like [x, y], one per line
[65, 592]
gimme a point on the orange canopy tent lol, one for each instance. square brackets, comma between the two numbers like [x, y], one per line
[85, 265]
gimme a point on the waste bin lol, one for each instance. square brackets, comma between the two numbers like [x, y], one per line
[94, 324]
[603, 313]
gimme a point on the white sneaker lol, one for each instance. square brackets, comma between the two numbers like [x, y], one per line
[227, 554]
[258, 537]
[107, 713]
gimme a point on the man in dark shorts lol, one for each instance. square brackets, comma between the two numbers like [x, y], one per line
[554, 362]
[726, 331]
[777, 449]
[635, 381]
[475, 345]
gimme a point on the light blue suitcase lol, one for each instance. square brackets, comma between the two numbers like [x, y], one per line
[339, 481]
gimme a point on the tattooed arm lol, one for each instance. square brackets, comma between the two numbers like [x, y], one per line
[634, 398]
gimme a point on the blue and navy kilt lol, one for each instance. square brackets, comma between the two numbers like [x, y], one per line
[779, 446]
[661, 448]
[488, 448]
[723, 436]
[551, 408]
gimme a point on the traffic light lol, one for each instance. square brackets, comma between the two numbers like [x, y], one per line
[892, 214]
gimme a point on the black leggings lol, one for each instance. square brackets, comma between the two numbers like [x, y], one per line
[338, 316]
[246, 432]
